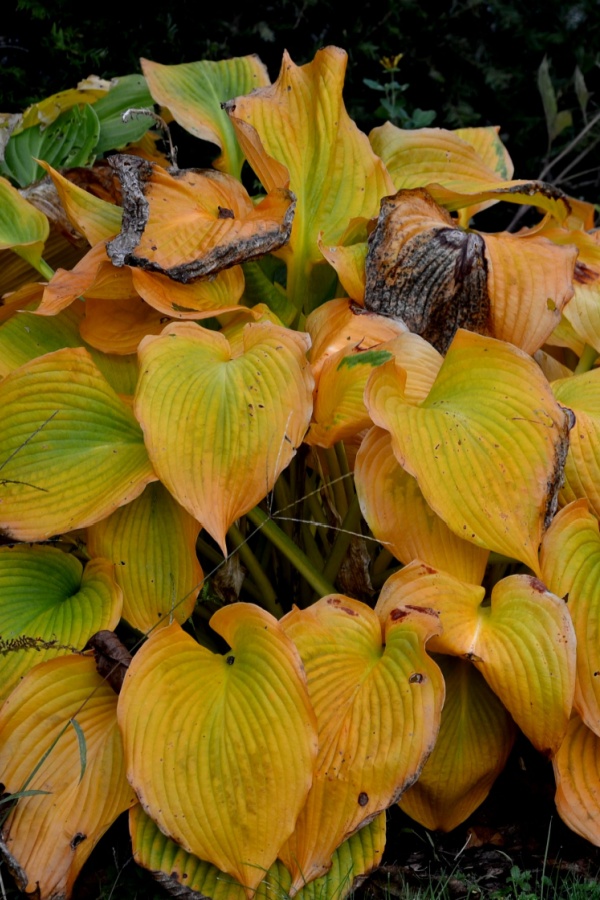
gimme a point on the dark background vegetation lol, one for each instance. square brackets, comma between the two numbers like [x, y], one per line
[475, 63]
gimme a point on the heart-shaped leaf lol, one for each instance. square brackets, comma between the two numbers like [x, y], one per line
[221, 749]
[577, 773]
[50, 606]
[234, 420]
[522, 642]
[473, 445]
[581, 393]
[366, 681]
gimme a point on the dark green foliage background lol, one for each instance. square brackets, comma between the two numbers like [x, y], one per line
[475, 64]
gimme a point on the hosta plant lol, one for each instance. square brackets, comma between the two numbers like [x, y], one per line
[299, 483]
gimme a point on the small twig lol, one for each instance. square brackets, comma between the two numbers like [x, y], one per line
[137, 113]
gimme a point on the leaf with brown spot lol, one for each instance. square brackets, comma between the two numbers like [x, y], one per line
[172, 224]
[422, 269]
[360, 681]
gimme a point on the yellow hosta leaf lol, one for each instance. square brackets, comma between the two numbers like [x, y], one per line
[349, 263]
[23, 228]
[199, 300]
[193, 223]
[399, 517]
[581, 393]
[118, 326]
[339, 410]
[570, 559]
[24, 336]
[221, 749]
[530, 280]
[47, 594]
[488, 459]
[341, 323]
[71, 451]
[94, 276]
[298, 130]
[377, 697]
[195, 92]
[96, 219]
[490, 149]
[49, 836]
[475, 740]
[583, 312]
[421, 156]
[172, 866]
[577, 773]
[46, 111]
[551, 367]
[220, 426]
[437, 278]
[152, 542]
[522, 642]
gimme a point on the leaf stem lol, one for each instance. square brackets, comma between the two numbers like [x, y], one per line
[296, 556]
[587, 360]
[267, 591]
[343, 539]
[36, 262]
[348, 482]
[336, 482]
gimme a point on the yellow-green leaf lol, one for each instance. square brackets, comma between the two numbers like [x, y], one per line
[195, 92]
[577, 773]
[46, 594]
[48, 837]
[487, 446]
[71, 451]
[173, 867]
[298, 131]
[581, 393]
[522, 642]
[95, 218]
[221, 749]
[377, 697]
[399, 517]
[221, 425]
[570, 559]
[475, 740]
[152, 542]
[23, 228]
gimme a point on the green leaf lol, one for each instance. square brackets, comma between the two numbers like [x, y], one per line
[130, 92]
[69, 141]
[374, 85]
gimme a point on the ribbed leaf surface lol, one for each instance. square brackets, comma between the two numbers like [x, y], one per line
[71, 450]
[22, 227]
[220, 427]
[377, 697]
[173, 867]
[522, 642]
[194, 92]
[581, 393]
[570, 559]
[50, 836]
[399, 517]
[487, 446]
[221, 749]
[340, 323]
[298, 130]
[47, 594]
[152, 542]
[475, 740]
[577, 773]
[95, 218]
